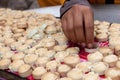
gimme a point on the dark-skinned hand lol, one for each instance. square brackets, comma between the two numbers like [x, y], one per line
[78, 25]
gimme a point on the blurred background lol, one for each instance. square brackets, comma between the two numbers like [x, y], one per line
[19, 4]
[107, 12]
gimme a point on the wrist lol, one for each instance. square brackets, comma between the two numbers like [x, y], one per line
[69, 3]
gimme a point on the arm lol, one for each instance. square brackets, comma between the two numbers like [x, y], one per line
[77, 22]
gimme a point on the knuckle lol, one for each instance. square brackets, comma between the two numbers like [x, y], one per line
[86, 8]
[66, 14]
[76, 7]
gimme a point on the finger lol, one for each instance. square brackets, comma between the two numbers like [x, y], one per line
[64, 27]
[70, 28]
[89, 27]
[79, 30]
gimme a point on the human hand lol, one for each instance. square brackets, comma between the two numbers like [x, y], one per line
[78, 25]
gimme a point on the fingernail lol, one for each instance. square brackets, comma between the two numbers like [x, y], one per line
[83, 44]
[90, 45]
